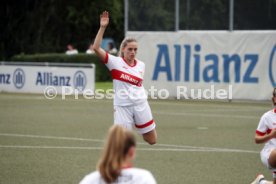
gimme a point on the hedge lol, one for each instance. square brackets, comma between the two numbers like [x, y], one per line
[102, 73]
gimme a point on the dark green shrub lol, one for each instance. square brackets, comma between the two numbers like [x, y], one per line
[102, 73]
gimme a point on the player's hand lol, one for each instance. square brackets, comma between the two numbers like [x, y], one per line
[104, 19]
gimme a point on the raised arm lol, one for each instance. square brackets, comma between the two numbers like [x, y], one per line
[104, 20]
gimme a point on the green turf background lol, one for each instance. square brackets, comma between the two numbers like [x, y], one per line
[51, 128]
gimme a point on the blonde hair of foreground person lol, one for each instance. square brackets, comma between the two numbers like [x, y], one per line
[115, 163]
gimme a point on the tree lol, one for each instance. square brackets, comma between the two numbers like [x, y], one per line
[33, 26]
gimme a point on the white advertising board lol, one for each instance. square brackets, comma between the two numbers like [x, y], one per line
[186, 63]
[35, 79]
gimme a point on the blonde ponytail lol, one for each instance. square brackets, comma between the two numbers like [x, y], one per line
[117, 145]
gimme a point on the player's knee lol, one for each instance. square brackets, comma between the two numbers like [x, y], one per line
[150, 137]
[151, 142]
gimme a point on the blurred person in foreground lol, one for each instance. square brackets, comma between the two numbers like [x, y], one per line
[131, 108]
[266, 133]
[115, 163]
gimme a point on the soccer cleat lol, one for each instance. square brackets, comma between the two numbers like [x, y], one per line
[258, 179]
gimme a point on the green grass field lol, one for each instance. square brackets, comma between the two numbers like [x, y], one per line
[59, 141]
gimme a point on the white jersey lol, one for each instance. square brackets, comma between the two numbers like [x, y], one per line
[127, 81]
[128, 176]
[266, 124]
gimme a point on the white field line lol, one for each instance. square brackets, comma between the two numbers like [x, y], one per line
[210, 104]
[49, 147]
[141, 149]
[205, 115]
[166, 147]
[172, 146]
[198, 150]
[50, 137]
[175, 102]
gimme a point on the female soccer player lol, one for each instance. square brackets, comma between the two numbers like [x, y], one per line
[266, 133]
[131, 108]
[115, 164]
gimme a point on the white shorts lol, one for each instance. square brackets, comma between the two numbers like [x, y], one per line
[137, 117]
[265, 153]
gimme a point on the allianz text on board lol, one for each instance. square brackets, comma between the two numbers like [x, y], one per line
[192, 59]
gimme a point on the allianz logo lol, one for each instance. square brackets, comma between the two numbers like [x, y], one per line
[50, 79]
[190, 64]
[272, 66]
[18, 78]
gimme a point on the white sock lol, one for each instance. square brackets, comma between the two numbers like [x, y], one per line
[263, 181]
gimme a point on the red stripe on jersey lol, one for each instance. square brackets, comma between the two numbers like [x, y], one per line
[260, 133]
[275, 110]
[106, 58]
[145, 125]
[125, 77]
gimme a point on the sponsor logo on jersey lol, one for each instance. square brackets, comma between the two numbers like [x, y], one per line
[125, 77]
